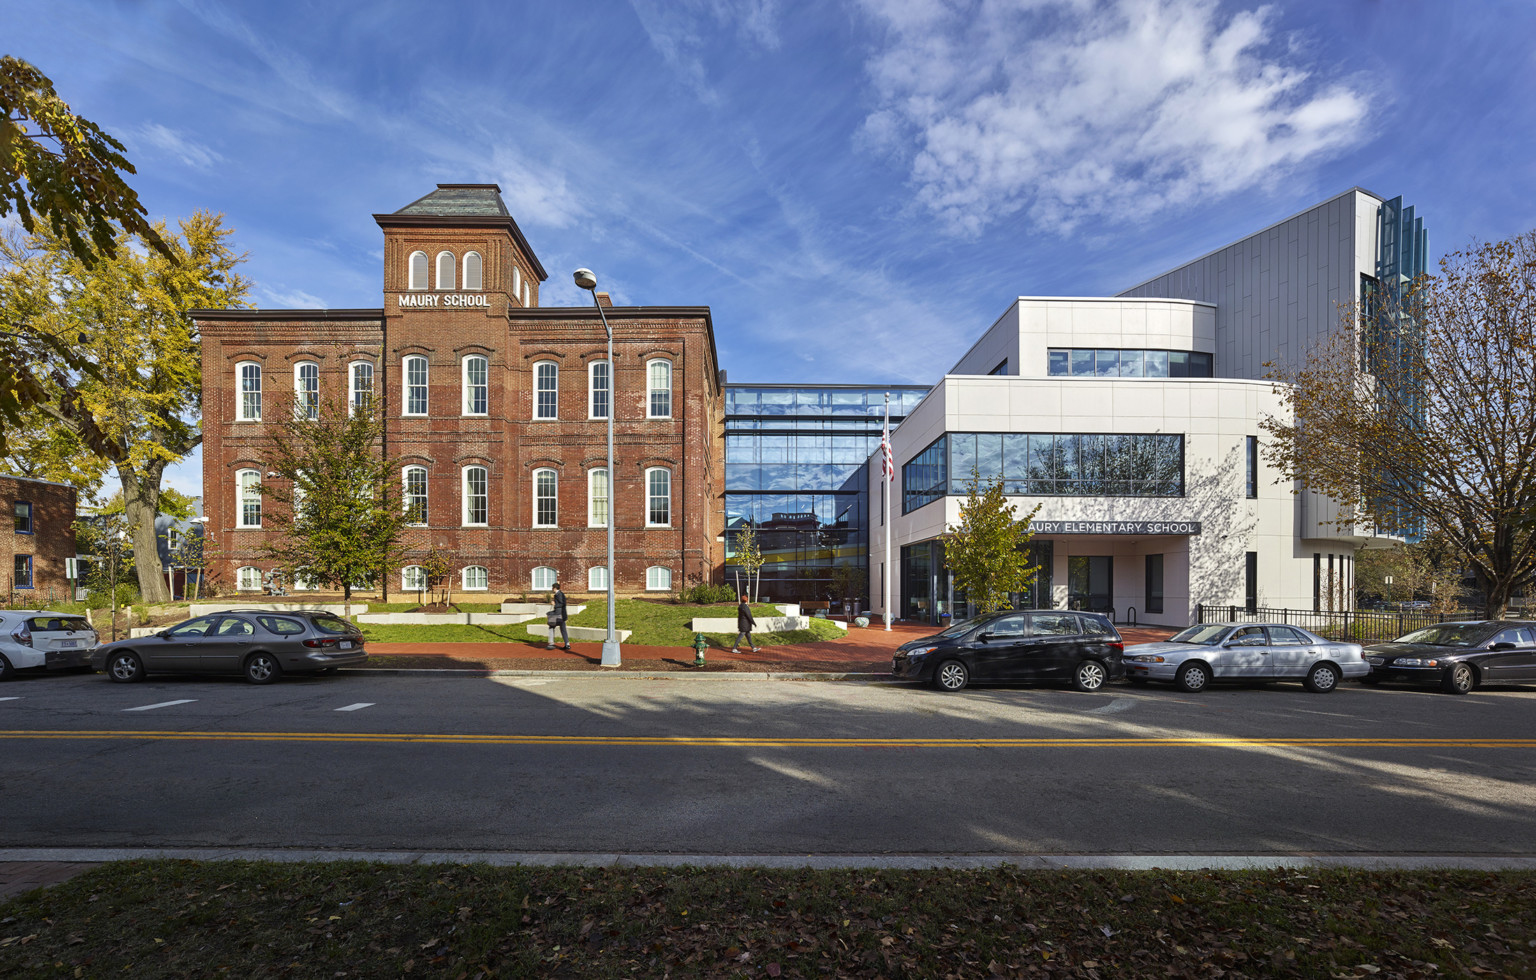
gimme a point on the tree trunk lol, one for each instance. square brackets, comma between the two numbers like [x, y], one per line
[141, 503]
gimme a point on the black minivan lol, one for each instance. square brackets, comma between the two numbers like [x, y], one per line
[1081, 648]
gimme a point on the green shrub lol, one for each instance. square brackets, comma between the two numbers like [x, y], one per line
[705, 594]
[101, 597]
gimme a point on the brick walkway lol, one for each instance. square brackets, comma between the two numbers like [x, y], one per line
[23, 876]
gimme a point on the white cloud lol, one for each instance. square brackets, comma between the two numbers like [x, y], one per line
[176, 146]
[534, 194]
[1071, 109]
[294, 299]
[680, 32]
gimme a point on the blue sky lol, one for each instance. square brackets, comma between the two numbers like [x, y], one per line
[855, 187]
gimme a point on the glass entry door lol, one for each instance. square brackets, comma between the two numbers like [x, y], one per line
[1089, 583]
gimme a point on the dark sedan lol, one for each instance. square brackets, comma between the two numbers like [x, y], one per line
[259, 644]
[1458, 656]
[1083, 649]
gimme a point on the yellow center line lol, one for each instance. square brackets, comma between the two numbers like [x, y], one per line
[664, 741]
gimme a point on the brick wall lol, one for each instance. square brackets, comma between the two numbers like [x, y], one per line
[51, 541]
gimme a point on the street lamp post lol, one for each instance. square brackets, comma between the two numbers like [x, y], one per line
[586, 280]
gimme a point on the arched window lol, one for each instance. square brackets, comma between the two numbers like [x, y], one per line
[415, 387]
[248, 409]
[306, 390]
[600, 387]
[303, 584]
[472, 270]
[248, 578]
[476, 579]
[597, 498]
[476, 496]
[597, 579]
[413, 578]
[360, 386]
[517, 282]
[544, 511]
[658, 373]
[418, 270]
[658, 497]
[658, 578]
[445, 277]
[477, 385]
[416, 494]
[546, 391]
[544, 578]
[526, 299]
[248, 498]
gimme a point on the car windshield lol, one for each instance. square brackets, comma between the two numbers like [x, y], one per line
[964, 626]
[1448, 635]
[1208, 634]
[327, 623]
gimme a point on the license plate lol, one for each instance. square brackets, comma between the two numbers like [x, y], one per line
[69, 644]
[1373, 660]
[345, 644]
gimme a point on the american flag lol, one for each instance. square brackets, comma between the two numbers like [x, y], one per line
[887, 461]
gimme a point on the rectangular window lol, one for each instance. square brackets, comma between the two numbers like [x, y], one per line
[660, 374]
[658, 511]
[250, 393]
[544, 498]
[546, 376]
[597, 498]
[415, 386]
[477, 388]
[476, 496]
[1251, 582]
[598, 374]
[1060, 364]
[1252, 480]
[361, 395]
[23, 517]
[249, 487]
[1154, 598]
[306, 391]
[597, 579]
[23, 579]
[416, 495]
[1317, 582]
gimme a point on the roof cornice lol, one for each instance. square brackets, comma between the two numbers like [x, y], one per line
[244, 314]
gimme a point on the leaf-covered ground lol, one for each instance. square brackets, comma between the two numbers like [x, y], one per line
[180, 919]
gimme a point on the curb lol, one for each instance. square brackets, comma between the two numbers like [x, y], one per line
[657, 675]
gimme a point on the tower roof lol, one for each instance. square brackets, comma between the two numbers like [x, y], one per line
[480, 200]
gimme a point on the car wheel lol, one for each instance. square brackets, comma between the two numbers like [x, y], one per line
[125, 667]
[1322, 678]
[5, 668]
[1459, 679]
[951, 676]
[1089, 676]
[262, 668]
[1193, 678]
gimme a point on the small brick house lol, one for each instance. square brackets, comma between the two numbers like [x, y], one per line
[42, 541]
[496, 408]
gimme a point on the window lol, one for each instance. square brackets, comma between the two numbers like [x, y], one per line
[517, 282]
[1317, 582]
[445, 276]
[416, 494]
[1285, 636]
[477, 387]
[280, 626]
[23, 517]
[658, 579]
[23, 577]
[527, 300]
[1251, 581]
[544, 578]
[658, 497]
[303, 583]
[471, 270]
[659, 375]
[1252, 476]
[597, 384]
[1154, 599]
[476, 579]
[418, 278]
[1001, 368]
[476, 496]
[306, 390]
[415, 385]
[1119, 363]
[597, 579]
[546, 379]
[1053, 624]
[413, 578]
[247, 579]
[597, 498]
[249, 409]
[544, 498]
[248, 498]
[360, 386]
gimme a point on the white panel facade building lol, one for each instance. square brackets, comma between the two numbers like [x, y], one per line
[1133, 422]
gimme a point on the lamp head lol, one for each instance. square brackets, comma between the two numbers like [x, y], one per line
[585, 279]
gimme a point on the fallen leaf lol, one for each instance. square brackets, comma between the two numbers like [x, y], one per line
[773, 969]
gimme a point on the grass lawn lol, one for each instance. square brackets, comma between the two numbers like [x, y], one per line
[184, 918]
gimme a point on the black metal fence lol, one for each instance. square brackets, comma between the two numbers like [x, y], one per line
[1356, 625]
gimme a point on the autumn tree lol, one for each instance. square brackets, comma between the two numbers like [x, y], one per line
[1419, 416]
[988, 551]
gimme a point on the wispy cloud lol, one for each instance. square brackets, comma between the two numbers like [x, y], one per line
[175, 145]
[1071, 109]
[290, 299]
[682, 31]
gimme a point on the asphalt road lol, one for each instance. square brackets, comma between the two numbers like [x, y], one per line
[591, 763]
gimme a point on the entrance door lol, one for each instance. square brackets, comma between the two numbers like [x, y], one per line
[1090, 583]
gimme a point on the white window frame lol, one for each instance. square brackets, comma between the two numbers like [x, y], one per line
[527, 297]
[651, 391]
[593, 389]
[245, 582]
[353, 389]
[593, 497]
[469, 387]
[485, 579]
[478, 282]
[406, 385]
[409, 580]
[543, 582]
[597, 578]
[416, 277]
[467, 495]
[538, 402]
[539, 476]
[243, 479]
[651, 583]
[446, 283]
[517, 282]
[406, 496]
[302, 584]
[649, 496]
[306, 404]
[243, 395]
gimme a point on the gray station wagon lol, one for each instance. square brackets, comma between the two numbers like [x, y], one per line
[259, 644]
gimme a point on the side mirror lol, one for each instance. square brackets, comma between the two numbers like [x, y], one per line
[164, 634]
[984, 637]
[1502, 646]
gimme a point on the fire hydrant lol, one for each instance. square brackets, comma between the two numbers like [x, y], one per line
[700, 645]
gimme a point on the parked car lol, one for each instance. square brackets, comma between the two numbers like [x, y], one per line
[1458, 656]
[261, 645]
[1195, 658]
[1032, 645]
[36, 639]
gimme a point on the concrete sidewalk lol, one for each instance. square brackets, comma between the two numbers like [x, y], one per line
[23, 876]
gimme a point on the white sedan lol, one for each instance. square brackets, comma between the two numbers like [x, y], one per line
[1191, 660]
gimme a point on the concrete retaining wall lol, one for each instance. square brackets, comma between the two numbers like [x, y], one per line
[339, 608]
[765, 624]
[587, 634]
[442, 619]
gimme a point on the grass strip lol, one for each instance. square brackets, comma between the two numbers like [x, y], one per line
[250, 919]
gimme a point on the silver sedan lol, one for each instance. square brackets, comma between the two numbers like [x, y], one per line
[1193, 659]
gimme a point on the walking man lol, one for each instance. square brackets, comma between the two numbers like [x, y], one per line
[744, 624]
[557, 618]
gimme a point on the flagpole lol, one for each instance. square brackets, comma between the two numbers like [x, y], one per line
[887, 474]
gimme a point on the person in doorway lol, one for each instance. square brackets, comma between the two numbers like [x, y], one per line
[744, 624]
[557, 618]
